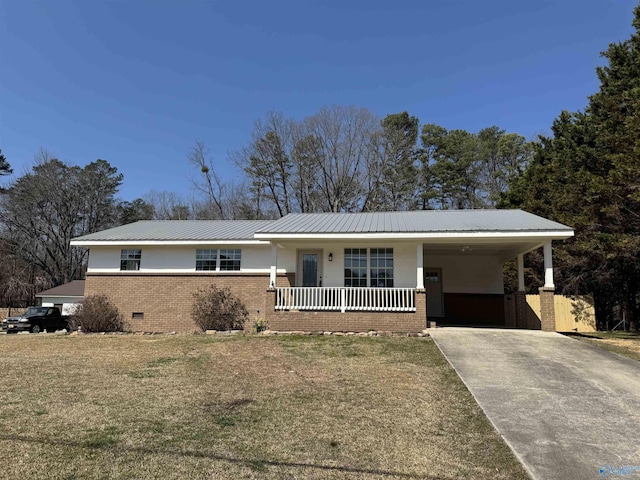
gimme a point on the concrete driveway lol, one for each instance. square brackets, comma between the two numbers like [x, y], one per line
[568, 410]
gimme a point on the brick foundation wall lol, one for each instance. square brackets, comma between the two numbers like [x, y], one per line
[287, 280]
[166, 299]
[348, 321]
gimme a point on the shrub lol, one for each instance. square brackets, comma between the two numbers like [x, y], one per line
[218, 309]
[97, 314]
[260, 325]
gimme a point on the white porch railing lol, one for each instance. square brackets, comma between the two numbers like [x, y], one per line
[344, 299]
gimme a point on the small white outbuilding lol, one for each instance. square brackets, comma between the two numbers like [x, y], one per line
[66, 297]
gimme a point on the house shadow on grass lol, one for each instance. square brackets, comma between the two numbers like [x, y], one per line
[256, 463]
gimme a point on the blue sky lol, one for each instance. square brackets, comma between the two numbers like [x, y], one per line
[137, 82]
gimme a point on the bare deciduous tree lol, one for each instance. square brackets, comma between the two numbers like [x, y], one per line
[346, 139]
[208, 182]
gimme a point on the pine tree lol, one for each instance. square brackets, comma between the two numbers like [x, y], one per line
[5, 168]
[587, 175]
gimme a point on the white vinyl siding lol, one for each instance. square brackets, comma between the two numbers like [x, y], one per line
[181, 259]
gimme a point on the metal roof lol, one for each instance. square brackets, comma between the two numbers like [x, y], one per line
[422, 221]
[179, 230]
[74, 288]
[414, 222]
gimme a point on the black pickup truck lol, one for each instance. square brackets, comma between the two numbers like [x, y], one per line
[36, 320]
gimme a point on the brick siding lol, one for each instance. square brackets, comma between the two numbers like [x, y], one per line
[166, 299]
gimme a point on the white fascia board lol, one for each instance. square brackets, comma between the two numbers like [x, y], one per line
[116, 243]
[549, 235]
[182, 271]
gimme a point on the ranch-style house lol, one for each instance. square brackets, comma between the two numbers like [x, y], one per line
[391, 271]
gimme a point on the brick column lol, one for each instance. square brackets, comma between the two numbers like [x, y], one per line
[521, 309]
[270, 305]
[547, 309]
[421, 307]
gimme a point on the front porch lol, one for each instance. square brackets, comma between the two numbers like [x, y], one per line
[346, 299]
[343, 309]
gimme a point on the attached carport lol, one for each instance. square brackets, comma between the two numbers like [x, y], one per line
[464, 280]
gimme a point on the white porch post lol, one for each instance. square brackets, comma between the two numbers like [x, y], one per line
[274, 265]
[548, 265]
[419, 268]
[521, 272]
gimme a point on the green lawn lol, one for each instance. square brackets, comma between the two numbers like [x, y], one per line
[134, 406]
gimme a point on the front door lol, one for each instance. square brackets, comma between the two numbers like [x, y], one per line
[433, 285]
[310, 267]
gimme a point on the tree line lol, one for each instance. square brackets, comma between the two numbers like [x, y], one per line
[346, 159]
[341, 159]
[587, 174]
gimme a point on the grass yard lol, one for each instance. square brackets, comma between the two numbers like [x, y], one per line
[623, 343]
[200, 407]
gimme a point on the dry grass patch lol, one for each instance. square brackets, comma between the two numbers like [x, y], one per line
[240, 407]
[622, 343]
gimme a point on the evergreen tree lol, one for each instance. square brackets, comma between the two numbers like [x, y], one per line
[5, 168]
[587, 175]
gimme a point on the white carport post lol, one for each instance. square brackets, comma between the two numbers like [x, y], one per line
[419, 268]
[274, 265]
[521, 272]
[521, 297]
[421, 294]
[548, 265]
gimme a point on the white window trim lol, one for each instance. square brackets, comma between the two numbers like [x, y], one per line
[130, 259]
[368, 267]
[218, 260]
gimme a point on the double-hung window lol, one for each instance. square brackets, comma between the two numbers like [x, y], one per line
[206, 259]
[381, 267]
[211, 260]
[355, 267]
[230, 259]
[130, 259]
[379, 273]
